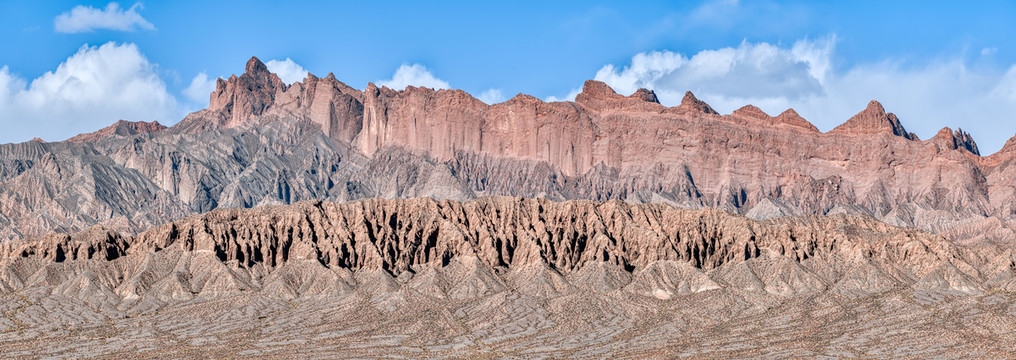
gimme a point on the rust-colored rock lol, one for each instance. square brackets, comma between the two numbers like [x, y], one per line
[788, 117]
[693, 104]
[120, 128]
[954, 140]
[751, 112]
[873, 120]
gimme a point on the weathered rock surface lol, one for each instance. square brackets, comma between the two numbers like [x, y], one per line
[495, 276]
[120, 128]
[874, 120]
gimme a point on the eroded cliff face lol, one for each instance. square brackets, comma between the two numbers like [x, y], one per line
[121, 128]
[603, 247]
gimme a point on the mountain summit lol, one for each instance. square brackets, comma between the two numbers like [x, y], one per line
[874, 120]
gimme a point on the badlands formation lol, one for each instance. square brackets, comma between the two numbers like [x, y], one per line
[319, 220]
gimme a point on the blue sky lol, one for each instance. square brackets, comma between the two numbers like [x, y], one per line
[71, 66]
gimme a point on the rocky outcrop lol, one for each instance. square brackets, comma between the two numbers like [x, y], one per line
[874, 120]
[334, 106]
[645, 95]
[96, 244]
[692, 104]
[788, 117]
[120, 129]
[751, 112]
[243, 97]
[956, 140]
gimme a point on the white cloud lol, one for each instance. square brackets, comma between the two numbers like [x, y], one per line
[750, 70]
[91, 89]
[1005, 90]
[86, 18]
[9, 84]
[200, 88]
[287, 70]
[570, 97]
[988, 51]
[645, 69]
[416, 75]
[492, 96]
[926, 96]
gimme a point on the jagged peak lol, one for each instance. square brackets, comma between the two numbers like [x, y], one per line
[958, 139]
[1009, 147]
[874, 120]
[255, 66]
[598, 95]
[790, 113]
[220, 83]
[374, 91]
[121, 128]
[751, 112]
[521, 98]
[875, 107]
[690, 102]
[596, 90]
[791, 117]
[242, 97]
[645, 95]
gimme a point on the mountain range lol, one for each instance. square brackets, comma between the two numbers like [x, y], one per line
[313, 219]
[264, 142]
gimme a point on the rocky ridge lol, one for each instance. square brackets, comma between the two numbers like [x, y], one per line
[120, 128]
[874, 120]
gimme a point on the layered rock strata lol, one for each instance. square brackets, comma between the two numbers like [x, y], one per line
[516, 277]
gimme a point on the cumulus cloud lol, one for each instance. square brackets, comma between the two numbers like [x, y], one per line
[415, 75]
[492, 96]
[113, 17]
[287, 70]
[91, 89]
[750, 70]
[199, 89]
[570, 97]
